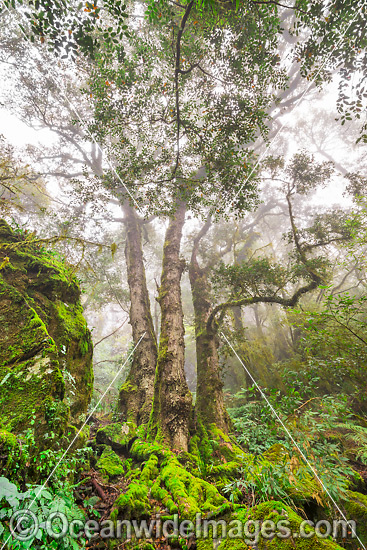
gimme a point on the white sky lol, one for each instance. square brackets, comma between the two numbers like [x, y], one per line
[20, 135]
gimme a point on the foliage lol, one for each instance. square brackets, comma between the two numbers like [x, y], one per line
[327, 37]
[197, 110]
[309, 435]
[70, 27]
[258, 278]
[342, 320]
[20, 188]
[333, 345]
[37, 501]
[41, 463]
[358, 436]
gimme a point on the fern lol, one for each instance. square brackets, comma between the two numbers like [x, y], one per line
[358, 436]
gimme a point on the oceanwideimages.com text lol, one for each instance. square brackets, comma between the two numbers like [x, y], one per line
[24, 526]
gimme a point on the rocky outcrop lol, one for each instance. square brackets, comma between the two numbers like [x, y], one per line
[46, 374]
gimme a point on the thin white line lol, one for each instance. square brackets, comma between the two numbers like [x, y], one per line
[77, 435]
[280, 129]
[293, 440]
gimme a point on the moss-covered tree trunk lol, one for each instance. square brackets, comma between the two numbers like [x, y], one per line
[136, 394]
[209, 406]
[172, 398]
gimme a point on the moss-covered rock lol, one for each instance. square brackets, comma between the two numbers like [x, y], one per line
[356, 509]
[46, 374]
[110, 463]
[117, 435]
[133, 504]
[293, 476]
[11, 455]
[276, 512]
[267, 526]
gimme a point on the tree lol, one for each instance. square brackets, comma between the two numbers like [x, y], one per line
[136, 394]
[192, 117]
[260, 280]
[20, 188]
[191, 152]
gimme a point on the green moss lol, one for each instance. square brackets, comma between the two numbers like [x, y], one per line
[43, 334]
[272, 511]
[10, 451]
[117, 435]
[276, 453]
[8, 441]
[228, 447]
[232, 544]
[24, 332]
[110, 463]
[228, 470]
[150, 470]
[276, 511]
[128, 387]
[128, 400]
[191, 494]
[75, 352]
[356, 509]
[41, 381]
[304, 486]
[142, 450]
[170, 483]
[162, 495]
[133, 504]
[72, 323]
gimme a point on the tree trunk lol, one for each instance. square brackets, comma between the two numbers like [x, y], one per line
[136, 394]
[172, 399]
[259, 327]
[209, 405]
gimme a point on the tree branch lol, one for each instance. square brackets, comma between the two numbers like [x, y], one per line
[279, 4]
[108, 335]
[177, 72]
[285, 302]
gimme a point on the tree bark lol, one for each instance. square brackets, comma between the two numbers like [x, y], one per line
[136, 394]
[209, 405]
[172, 402]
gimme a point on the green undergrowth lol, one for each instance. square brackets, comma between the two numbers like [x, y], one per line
[169, 483]
[160, 481]
[42, 501]
[23, 461]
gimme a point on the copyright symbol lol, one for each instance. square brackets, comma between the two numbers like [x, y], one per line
[23, 525]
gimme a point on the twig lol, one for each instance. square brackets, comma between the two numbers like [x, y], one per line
[279, 4]
[108, 335]
[304, 404]
[99, 490]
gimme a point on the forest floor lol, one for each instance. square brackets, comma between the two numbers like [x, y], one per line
[95, 484]
[105, 490]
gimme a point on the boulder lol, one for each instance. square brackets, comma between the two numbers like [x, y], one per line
[46, 375]
[118, 436]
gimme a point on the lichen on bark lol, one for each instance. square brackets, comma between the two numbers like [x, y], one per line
[136, 394]
[170, 416]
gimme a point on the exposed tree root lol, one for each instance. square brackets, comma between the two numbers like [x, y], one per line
[165, 483]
